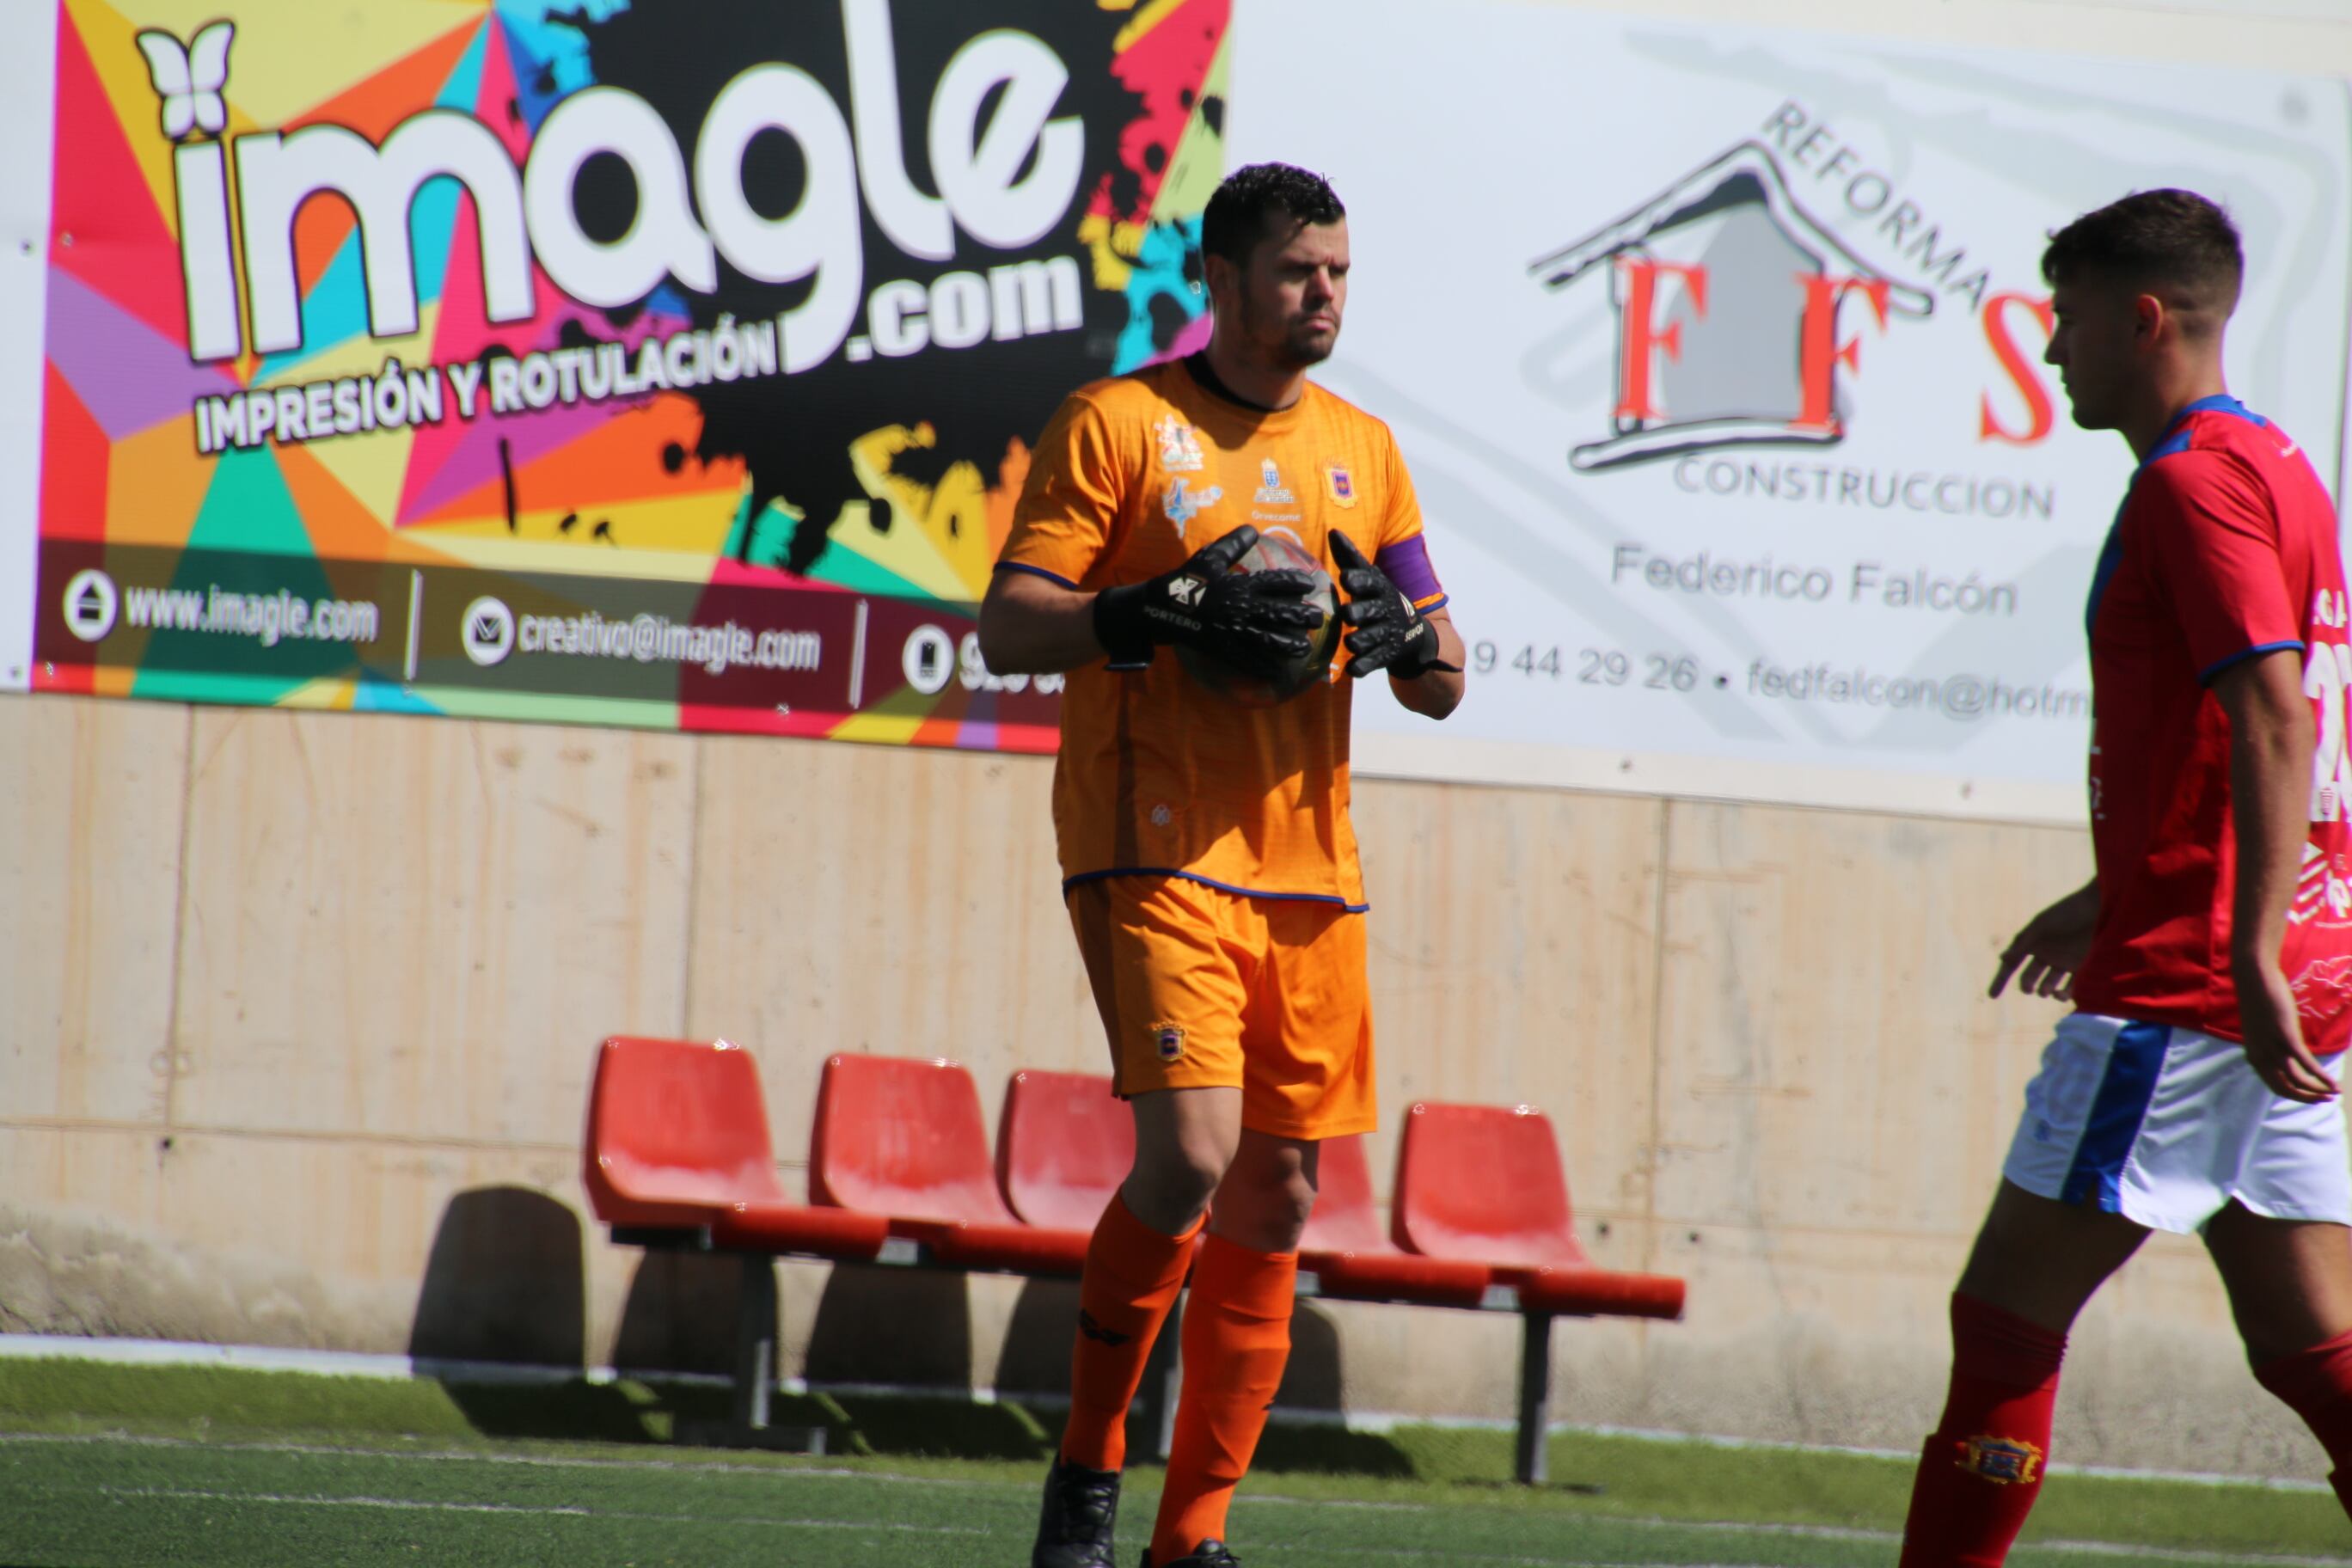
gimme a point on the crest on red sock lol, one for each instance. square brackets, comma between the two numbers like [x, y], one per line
[2004, 1461]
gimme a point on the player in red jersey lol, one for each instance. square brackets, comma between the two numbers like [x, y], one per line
[2194, 1088]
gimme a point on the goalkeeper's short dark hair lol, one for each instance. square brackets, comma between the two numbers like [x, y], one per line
[2173, 243]
[1241, 211]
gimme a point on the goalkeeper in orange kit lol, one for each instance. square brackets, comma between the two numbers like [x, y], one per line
[1208, 861]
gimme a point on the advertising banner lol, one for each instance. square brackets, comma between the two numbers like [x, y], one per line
[1717, 357]
[25, 86]
[674, 365]
[662, 364]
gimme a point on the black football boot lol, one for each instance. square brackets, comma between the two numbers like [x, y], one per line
[1074, 1527]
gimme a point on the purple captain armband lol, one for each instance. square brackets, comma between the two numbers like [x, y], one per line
[1407, 565]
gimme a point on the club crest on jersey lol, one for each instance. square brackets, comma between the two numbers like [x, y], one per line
[1183, 503]
[1168, 1039]
[1180, 446]
[1270, 490]
[1339, 484]
[2004, 1461]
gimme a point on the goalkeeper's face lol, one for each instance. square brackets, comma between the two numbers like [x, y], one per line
[1293, 294]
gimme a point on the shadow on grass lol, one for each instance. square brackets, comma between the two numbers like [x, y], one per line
[881, 1425]
[943, 1428]
[650, 1412]
[1331, 1450]
[569, 1412]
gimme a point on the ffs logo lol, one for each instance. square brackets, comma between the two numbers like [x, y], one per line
[1183, 503]
[1742, 317]
[1702, 378]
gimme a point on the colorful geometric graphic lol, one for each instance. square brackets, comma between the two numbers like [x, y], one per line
[653, 365]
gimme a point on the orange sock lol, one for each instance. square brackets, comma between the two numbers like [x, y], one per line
[1132, 1276]
[1236, 1339]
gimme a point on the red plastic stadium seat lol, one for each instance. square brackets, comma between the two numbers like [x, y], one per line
[677, 1139]
[1483, 1184]
[1010, 1248]
[1063, 1147]
[798, 1228]
[904, 1138]
[1345, 1218]
[1351, 1260]
[1483, 1181]
[1591, 1292]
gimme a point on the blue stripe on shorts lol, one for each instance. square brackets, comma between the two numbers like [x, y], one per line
[2124, 1091]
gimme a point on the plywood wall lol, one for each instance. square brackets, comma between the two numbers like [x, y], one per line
[297, 1013]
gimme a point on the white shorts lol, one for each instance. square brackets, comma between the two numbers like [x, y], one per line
[2165, 1126]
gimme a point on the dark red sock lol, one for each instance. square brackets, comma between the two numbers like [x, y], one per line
[1982, 1469]
[2316, 1385]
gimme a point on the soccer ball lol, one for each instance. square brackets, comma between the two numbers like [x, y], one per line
[1277, 553]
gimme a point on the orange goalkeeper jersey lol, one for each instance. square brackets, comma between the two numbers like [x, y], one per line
[1157, 775]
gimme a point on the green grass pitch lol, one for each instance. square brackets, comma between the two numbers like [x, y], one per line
[102, 1466]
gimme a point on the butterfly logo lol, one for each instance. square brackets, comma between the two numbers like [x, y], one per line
[190, 81]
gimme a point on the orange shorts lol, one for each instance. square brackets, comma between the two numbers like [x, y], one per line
[1201, 988]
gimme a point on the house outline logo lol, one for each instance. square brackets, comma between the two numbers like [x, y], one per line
[1731, 369]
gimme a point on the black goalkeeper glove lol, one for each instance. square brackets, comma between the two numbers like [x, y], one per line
[1390, 633]
[1251, 621]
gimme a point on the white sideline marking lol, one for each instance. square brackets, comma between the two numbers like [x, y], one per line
[538, 1461]
[324, 1363]
[352, 1363]
[428, 1506]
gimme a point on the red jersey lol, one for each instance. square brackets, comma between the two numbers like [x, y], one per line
[2224, 549]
